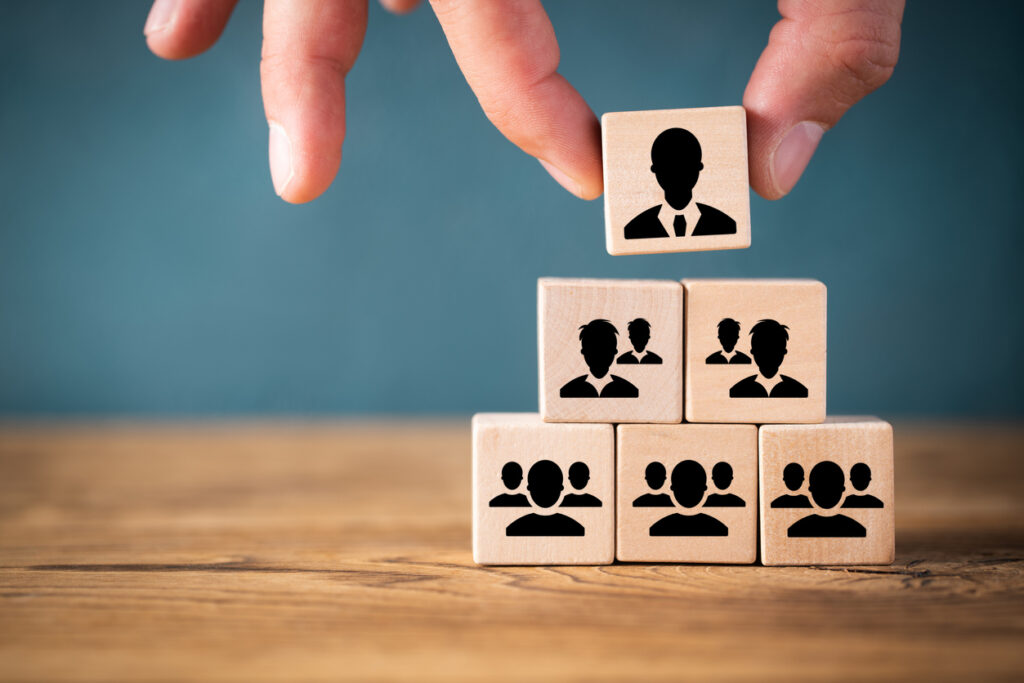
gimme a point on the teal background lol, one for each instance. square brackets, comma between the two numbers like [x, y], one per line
[146, 267]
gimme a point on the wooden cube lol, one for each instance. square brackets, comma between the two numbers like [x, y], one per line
[827, 492]
[542, 493]
[610, 350]
[755, 351]
[686, 493]
[676, 180]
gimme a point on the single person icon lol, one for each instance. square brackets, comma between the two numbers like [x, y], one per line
[721, 474]
[827, 483]
[768, 340]
[512, 477]
[860, 477]
[579, 475]
[676, 161]
[655, 476]
[689, 482]
[544, 482]
[728, 335]
[793, 476]
[599, 345]
[639, 335]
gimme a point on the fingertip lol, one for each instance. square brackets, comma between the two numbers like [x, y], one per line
[300, 176]
[400, 6]
[179, 29]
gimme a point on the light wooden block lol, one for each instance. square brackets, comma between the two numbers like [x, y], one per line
[610, 350]
[834, 505]
[661, 164]
[774, 371]
[542, 493]
[686, 493]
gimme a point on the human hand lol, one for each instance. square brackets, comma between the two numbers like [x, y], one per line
[822, 57]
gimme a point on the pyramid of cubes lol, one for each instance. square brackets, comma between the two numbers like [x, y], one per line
[681, 421]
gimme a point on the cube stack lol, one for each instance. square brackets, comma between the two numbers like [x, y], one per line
[609, 470]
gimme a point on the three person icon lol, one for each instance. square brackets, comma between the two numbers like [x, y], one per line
[768, 342]
[545, 484]
[689, 483]
[826, 484]
[676, 161]
[599, 345]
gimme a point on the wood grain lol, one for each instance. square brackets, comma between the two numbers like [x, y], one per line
[257, 552]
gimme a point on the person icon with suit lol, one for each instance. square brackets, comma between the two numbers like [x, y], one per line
[827, 483]
[639, 334]
[599, 344]
[689, 482]
[512, 477]
[655, 476]
[676, 161]
[728, 335]
[768, 340]
[579, 475]
[860, 477]
[793, 476]
[544, 482]
[721, 474]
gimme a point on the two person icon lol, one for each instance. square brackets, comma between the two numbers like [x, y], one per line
[688, 486]
[599, 346]
[676, 161]
[826, 484]
[545, 484]
[768, 345]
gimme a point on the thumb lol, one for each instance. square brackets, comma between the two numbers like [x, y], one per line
[821, 59]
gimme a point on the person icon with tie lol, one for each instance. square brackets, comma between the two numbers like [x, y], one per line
[676, 161]
[655, 476]
[544, 482]
[512, 477]
[860, 477]
[689, 482]
[827, 483]
[639, 334]
[793, 476]
[728, 335]
[768, 340]
[599, 344]
[579, 475]
[721, 474]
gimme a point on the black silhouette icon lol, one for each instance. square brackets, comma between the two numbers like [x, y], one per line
[721, 474]
[768, 341]
[544, 482]
[728, 335]
[512, 477]
[599, 346]
[655, 476]
[579, 475]
[676, 160]
[639, 335]
[827, 483]
[793, 475]
[860, 477]
[689, 482]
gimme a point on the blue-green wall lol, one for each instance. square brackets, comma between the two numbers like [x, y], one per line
[146, 266]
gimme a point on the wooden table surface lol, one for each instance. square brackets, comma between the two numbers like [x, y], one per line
[342, 551]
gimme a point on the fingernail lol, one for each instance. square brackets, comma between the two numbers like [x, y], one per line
[794, 153]
[161, 15]
[562, 178]
[281, 170]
